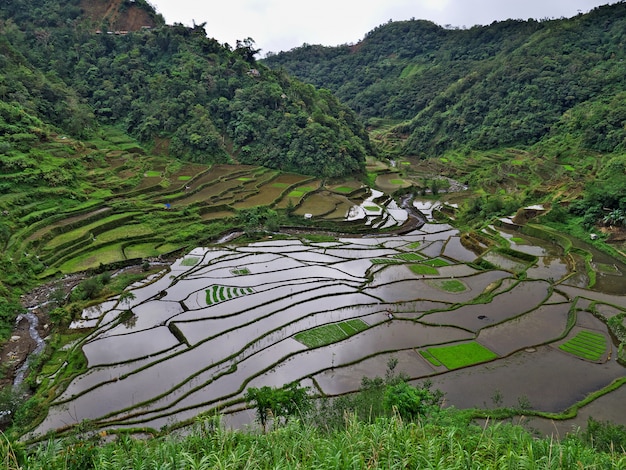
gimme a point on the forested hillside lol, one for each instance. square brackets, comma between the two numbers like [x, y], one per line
[512, 83]
[171, 86]
[98, 95]
[125, 142]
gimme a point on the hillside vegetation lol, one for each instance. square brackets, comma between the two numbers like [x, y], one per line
[173, 88]
[510, 83]
[522, 111]
[124, 140]
[94, 120]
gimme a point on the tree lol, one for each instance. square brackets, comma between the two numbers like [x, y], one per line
[246, 50]
[410, 402]
[126, 298]
[278, 403]
[261, 399]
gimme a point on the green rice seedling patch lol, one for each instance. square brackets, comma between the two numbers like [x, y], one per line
[218, 293]
[414, 245]
[331, 333]
[352, 327]
[184, 178]
[152, 174]
[295, 193]
[569, 167]
[517, 240]
[586, 344]
[423, 269]
[436, 262]
[240, 271]
[517, 162]
[430, 358]
[190, 261]
[397, 182]
[343, 189]
[461, 355]
[410, 256]
[385, 261]
[280, 185]
[372, 208]
[319, 238]
[448, 285]
[245, 178]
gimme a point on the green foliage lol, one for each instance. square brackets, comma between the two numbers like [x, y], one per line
[458, 355]
[586, 344]
[278, 404]
[11, 400]
[479, 209]
[88, 289]
[257, 219]
[171, 84]
[411, 402]
[331, 333]
[483, 87]
[28, 413]
[387, 443]
[9, 309]
[380, 397]
[605, 436]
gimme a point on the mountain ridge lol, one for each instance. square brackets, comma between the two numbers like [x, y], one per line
[508, 83]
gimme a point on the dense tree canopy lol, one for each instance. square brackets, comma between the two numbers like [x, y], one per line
[209, 102]
[508, 83]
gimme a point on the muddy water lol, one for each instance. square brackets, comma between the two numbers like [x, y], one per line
[178, 354]
[610, 283]
[548, 379]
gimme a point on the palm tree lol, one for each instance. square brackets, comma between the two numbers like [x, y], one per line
[615, 217]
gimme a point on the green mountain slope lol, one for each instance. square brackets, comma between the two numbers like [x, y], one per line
[108, 113]
[173, 86]
[511, 83]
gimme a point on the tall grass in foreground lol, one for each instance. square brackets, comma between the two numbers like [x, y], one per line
[387, 443]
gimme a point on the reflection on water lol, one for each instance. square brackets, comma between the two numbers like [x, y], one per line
[182, 351]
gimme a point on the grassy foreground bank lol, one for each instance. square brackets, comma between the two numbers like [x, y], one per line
[442, 443]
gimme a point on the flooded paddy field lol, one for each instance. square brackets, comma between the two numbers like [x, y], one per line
[224, 318]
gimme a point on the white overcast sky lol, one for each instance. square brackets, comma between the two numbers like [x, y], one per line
[280, 25]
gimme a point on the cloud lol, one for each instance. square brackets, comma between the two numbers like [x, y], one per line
[277, 25]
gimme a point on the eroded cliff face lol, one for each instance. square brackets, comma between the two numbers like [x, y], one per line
[119, 15]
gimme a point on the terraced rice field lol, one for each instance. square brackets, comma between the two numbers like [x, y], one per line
[325, 313]
[143, 206]
[586, 344]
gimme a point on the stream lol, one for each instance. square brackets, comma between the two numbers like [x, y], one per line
[33, 322]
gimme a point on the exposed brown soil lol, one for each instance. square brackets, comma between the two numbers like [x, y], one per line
[131, 18]
[14, 352]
